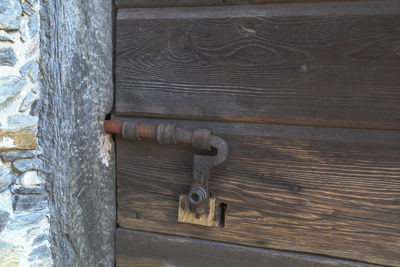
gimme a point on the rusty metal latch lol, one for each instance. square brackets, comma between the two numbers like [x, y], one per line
[201, 206]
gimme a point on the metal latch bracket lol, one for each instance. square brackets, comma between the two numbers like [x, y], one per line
[195, 207]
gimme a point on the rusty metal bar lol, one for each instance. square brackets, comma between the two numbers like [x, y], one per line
[166, 133]
[113, 127]
[163, 133]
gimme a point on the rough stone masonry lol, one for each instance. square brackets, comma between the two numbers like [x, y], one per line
[24, 211]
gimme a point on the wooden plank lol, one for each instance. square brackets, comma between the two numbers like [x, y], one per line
[136, 248]
[165, 3]
[327, 191]
[332, 64]
[196, 3]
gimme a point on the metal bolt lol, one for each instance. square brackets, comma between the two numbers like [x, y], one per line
[199, 211]
[197, 195]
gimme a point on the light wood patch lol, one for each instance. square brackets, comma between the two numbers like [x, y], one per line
[186, 216]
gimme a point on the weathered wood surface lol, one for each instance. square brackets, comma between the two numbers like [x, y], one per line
[326, 191]
[332, 64]
[136, 248]
[180, 3]
[165, 3]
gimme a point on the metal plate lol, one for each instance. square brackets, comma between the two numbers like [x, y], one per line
[185, 215]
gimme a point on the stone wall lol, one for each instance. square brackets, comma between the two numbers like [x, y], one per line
[24, 211]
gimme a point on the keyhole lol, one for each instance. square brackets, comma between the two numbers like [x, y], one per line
[222, 209]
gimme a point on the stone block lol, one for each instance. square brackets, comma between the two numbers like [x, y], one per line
[19, 139]
[27, 8]
[30, 178]
[33, 25]
[28, 101]
[8, 156]
[4, 218]
[23, 203]
[34, 72]
[6, 201]
[27, 190]
[35, 107]
[5, 37]
[6, 177]
[10, 86]
[18, 121]
[26, 220]
[24, 30]
[7, 57]
[10, 14]
[39, 239]
[41, 252]
[26, 68]
[24, 165]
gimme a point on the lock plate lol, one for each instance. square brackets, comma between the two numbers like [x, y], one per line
[185, 215]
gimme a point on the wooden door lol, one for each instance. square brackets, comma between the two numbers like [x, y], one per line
[307, 95]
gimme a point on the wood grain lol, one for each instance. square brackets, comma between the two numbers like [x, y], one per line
[326, 191]
[148, 249]
[327, 64]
